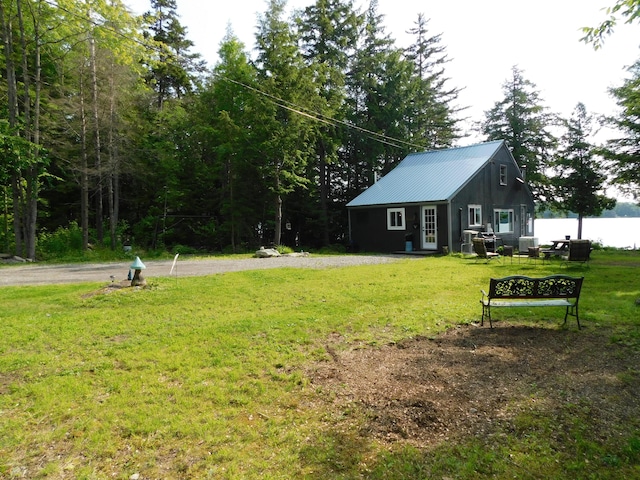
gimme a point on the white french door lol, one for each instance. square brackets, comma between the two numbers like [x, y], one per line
[429, 228]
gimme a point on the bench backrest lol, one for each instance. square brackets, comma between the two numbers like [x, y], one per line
[519, 286]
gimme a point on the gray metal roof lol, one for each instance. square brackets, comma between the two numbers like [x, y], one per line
[431, 176]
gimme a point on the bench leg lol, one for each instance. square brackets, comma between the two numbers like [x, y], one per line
[486, 311]
[573, 311]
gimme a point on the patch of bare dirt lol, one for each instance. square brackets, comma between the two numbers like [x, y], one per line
[469, 380]
[109, 288]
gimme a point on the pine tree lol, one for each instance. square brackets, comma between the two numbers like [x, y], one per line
[375, 82]
[328, 38]
[580, 180]
[525, 124]
[173, 70]
[225, 135]
[432, 120]
[288, 86]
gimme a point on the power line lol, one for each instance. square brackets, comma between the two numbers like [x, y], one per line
[324, 119]
[319, 117]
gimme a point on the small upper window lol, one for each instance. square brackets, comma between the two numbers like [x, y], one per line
[475, 215]
[395, 219]
[503, 174]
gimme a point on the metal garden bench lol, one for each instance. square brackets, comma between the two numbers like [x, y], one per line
[521, 291]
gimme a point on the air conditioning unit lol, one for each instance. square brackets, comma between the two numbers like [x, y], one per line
[467, 241]
[525, 242]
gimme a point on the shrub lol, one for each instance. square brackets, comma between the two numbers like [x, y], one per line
[59, 243]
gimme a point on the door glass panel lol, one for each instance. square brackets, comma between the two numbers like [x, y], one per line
[430, 227]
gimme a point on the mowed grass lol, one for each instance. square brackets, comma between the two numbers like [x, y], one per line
[205, 377]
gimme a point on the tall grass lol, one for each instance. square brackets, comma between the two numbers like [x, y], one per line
[204, 377]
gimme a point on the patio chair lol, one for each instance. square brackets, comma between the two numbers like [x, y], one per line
[480, 249]
[533, 253]
[579, 252]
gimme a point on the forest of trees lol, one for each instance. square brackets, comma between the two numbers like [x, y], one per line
[112, 124]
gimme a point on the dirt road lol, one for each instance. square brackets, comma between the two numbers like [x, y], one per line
[35, 274]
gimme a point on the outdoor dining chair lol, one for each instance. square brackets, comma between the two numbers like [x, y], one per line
[579, 252]
[480, 249]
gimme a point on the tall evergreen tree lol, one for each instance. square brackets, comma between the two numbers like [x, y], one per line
[288, 85]
[580, 181]
[173, 69]
[433, 117]
[328, 37]
[624, 151]
[223, 154]
[376, 76]
[522, 120]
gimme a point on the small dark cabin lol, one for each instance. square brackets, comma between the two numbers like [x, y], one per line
[438, 198]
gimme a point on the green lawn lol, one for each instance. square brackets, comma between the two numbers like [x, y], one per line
[204, 377]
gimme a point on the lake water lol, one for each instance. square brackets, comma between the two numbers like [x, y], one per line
[610, 232]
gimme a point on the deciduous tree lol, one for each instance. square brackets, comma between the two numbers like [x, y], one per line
[624, 150]
[629, 9]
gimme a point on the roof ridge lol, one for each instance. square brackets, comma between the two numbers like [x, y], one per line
[457, 148]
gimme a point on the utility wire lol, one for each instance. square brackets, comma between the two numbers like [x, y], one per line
[379, 137]
[324, 119]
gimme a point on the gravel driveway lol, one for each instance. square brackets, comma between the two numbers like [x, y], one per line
[35, 274]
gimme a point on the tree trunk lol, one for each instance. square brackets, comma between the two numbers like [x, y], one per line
[17, 214]
[324, 191]
[6, 219]
[579, 226]
[12, 111]
[96, 126]
[32, 133]
[84, 174]
[113, 166]
[277, 238]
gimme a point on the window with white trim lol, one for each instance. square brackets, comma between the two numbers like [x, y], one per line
[475, 215]
[503, 174]
[395, 219]
[503, 221]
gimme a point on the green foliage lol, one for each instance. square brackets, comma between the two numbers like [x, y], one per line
[433, 121]
[59, 243]
[629, 9]
[329, 102]
[524, 123]
[333, 249]
[580, 180]
[283, 249]
[173, 69]
[623, 152]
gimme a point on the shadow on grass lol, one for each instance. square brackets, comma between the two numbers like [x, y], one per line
[474, 402]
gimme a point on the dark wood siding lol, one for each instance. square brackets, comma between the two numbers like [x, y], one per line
[369, 224]
[369, 230]
[484, 189]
